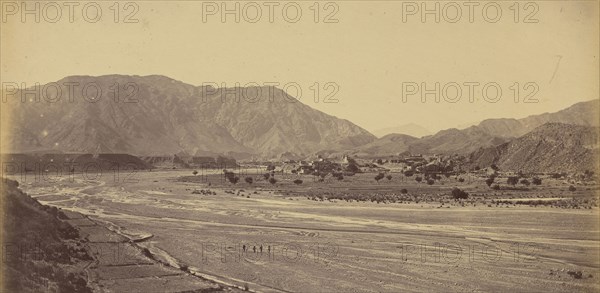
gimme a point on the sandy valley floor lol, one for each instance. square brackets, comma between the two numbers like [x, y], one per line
[314, 246]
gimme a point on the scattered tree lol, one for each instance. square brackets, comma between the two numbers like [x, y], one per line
[430, 181]
[512, 180]
[389, 177]
[489, 181]
[195, 172]
[525, 182]
[403, 191]
[297, 181]
[536, 181]
[234, 179]
[461, 179]
[379, 177]
[272, 180]
[572, 188]
[249, 180]
[459, 194]
[419, 179]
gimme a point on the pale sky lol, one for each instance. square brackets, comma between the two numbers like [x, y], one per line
[369, 53]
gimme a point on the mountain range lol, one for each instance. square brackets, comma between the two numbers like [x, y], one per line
[488, 133]
[167, 117]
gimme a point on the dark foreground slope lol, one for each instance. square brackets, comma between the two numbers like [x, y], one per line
[41, 252]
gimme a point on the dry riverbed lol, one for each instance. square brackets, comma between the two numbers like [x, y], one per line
[324, 246]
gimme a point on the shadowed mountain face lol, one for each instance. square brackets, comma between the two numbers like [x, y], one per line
[552, 147]
[156, 115]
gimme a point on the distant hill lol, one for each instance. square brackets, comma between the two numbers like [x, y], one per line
[552, 147]
[411, 129]
[488, 133]
[172, 117]
[584, 113]
[391, 144]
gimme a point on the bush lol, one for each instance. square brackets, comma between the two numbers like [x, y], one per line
[572, 188]
[489, 181]
[249, 180]
[461, 179]
[195, 172]
[512, 180]
[525, 182]
[459, 194]
[403, 191]
[389, 177]
[297, 181]
[537, 181]
[233, 179]
[419, 178]
[379, 177]
[430, 181]
[272, 180]
[496, 187]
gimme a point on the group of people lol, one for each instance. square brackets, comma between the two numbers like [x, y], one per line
[260, 248]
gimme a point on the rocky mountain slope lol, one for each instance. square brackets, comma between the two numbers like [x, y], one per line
[583, 113]
[156, 115]
[552, 147]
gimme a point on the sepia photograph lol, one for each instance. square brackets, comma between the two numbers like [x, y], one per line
[306, 146]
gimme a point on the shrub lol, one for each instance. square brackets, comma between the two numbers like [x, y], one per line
[525, 182]
[379, 177]
[572, 188]
[459, 194]
[403, 191]
[430, 181]
[389, 177]
[272, 180]
[461, 179]
[512, 180]
[496, 187]
[233, 179]
[419, 178]
[489, 181]
[195, 172]
[297, 181]
[536, 181]
[249, 180]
